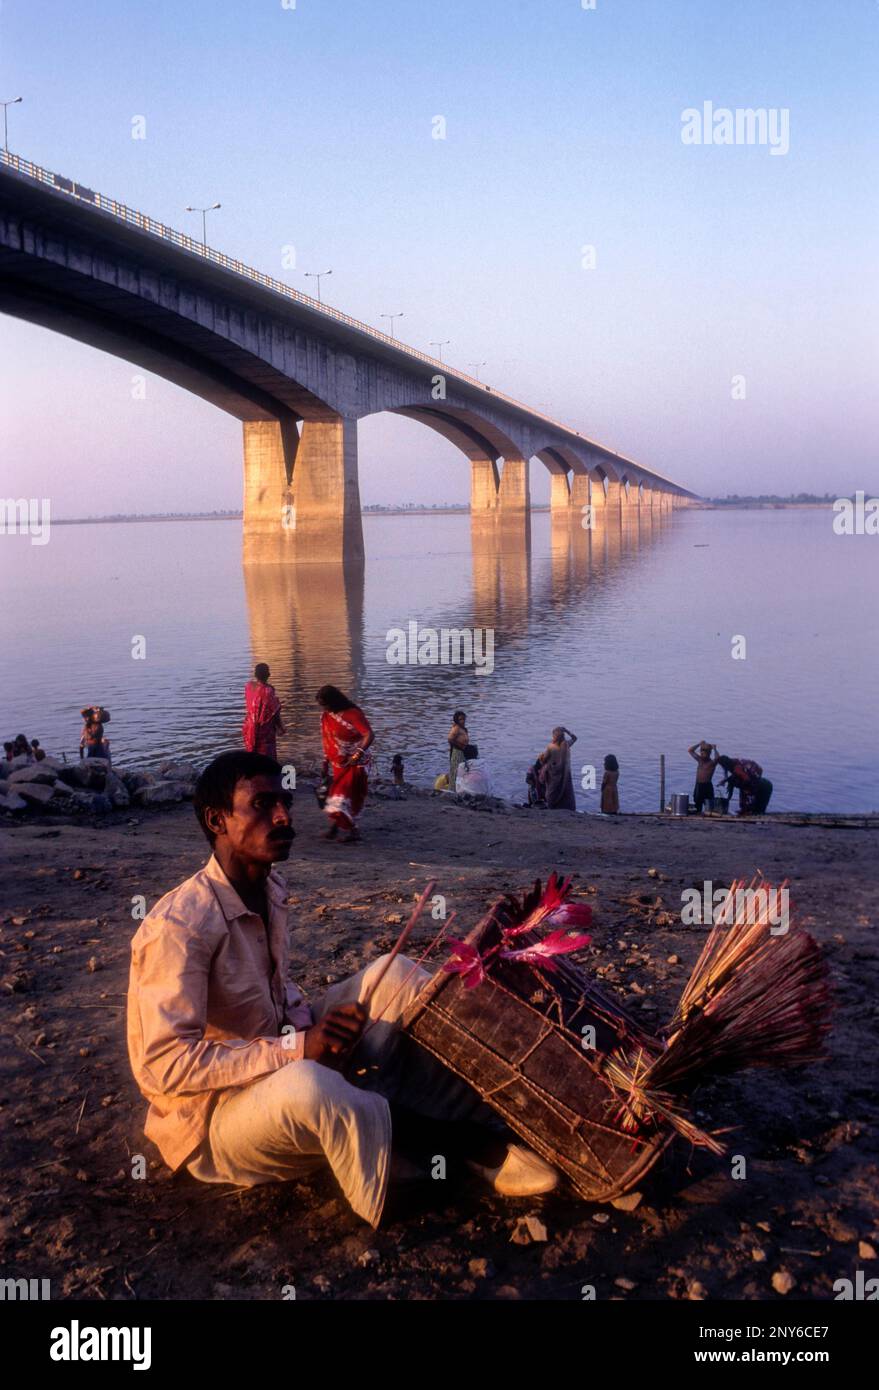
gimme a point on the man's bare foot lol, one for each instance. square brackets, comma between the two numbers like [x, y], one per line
[351, 838]
[331, 833]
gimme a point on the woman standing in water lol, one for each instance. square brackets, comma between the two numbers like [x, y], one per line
[262, 722]
[346, 735]
[459, 739]
[556, 763]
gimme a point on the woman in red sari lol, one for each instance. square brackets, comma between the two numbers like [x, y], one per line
[262, 722]
[346, 736]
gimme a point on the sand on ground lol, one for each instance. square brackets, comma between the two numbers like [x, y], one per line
[804, 1216]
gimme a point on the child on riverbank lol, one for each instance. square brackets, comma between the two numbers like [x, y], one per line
[610, 797]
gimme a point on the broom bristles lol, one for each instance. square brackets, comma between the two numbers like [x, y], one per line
[754, 998]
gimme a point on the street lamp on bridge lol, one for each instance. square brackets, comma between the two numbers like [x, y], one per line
[439, 346]
[318, 276]
[204, 220]
[476, 366]
[11, 102]
[392, 317]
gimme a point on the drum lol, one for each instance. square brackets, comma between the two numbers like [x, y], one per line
[534, 1044]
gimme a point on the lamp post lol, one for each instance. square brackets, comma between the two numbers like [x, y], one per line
[204, 220]
[476, 366]
[391, 317]
[439, 346]
[11, 102]
[318, 276]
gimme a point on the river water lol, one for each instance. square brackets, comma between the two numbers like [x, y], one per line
[624, 634]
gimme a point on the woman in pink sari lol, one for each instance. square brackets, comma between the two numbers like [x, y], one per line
[346, 735]
[262, 722]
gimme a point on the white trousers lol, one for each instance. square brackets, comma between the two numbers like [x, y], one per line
[304, 1114]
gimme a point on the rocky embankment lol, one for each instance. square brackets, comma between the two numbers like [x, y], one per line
[90, 787]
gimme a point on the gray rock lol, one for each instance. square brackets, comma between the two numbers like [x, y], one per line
[179, 771]
[35, 793]
[101, 805]
[135, 781]
[116, 790]
[12, 802]
[90, 773]
[161, 793]
[21, 760]
[70, 799]
[35, 772]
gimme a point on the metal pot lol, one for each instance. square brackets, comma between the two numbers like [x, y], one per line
[680, 805]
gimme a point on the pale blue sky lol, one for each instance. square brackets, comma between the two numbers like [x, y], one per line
[312, 126]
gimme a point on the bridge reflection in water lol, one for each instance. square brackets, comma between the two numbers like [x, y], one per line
[309, 621]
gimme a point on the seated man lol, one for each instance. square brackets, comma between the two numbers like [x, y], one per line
[244, 1079]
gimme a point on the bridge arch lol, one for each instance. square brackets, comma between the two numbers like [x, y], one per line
[298, 374]
[492, 488]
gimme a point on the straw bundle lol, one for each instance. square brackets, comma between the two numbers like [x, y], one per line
[755, 999]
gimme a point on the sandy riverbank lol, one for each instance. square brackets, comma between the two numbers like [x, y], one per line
[71, 1114]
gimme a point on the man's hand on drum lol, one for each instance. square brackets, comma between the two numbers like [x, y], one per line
[333, 1037]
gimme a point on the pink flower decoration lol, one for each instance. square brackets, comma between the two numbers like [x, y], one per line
[571, 915]
[550, 902]
[465, 961]
[558, 943]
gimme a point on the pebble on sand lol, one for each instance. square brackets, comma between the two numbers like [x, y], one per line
[528, 1229]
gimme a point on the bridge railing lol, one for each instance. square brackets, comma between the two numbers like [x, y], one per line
[148, 224]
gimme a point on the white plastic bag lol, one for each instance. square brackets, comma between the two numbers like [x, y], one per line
[473, 779]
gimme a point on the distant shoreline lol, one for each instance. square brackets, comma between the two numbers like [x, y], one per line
[708, 505]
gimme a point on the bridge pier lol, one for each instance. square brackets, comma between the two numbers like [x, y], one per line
[560, 496]
[581, 495]
[301, 491]
[484, 483]
[503, 495]
[514, 496]
[614, 500]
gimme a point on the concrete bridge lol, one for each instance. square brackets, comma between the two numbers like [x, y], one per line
[298, 374]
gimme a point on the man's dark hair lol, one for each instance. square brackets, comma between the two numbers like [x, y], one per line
[215, 788]
[261, 671]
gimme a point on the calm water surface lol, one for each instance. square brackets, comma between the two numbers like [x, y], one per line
[624, 635]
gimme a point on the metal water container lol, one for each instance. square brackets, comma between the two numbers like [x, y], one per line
[680, 805]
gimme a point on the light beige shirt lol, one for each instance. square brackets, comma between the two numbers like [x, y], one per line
[207, 1000]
